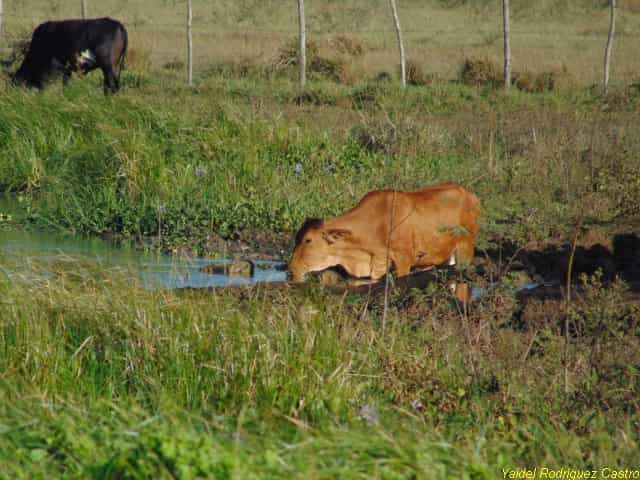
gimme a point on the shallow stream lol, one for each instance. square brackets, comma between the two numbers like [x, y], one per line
[20, 248]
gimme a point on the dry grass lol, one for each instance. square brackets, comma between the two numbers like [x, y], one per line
[437, 39]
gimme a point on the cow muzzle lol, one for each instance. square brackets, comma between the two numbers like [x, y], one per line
[296, 276]
[297, 271]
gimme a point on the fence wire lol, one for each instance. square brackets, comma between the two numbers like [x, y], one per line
[18, 22]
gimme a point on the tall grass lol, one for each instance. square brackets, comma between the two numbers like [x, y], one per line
[103, 378]
[157, 160]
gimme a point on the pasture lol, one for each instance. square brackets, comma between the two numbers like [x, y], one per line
[101, 377]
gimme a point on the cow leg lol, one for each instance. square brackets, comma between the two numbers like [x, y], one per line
[66, 76]
[462, 255]
[464, 251]
[40, 84]
[111, 84]
[378, 266]
[402, 264]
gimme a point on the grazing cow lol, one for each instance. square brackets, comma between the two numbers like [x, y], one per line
[75, 45]
[391, 228]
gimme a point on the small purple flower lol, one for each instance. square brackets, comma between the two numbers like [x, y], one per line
[369, 414]
[298, 168]
[417, 404]
[200, 171]
[329, 168]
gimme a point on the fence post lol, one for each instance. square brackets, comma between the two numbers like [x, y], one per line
[83, 7]
[189, 45]
[507, 45]
[302, 47]
[0, 17]
[396, 23]
[607, 51]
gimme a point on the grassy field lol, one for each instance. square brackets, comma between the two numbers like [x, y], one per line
[100, 377]
[104, 379]
[564, 37]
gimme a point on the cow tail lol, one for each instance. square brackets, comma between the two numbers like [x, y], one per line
[124, 48]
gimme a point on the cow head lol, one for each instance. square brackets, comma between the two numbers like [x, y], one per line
[315, 249]
[23, 77]
[17, 78]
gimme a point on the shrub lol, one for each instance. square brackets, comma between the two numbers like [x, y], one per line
[288, 53]
[532, 83]
[314, 97]
[331, 68]
[416, 75]
[545, 82]
[348, 45]
[175, 64]
[479, 71]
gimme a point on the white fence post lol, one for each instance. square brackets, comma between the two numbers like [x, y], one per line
[302, 47]
[0, 17]
[83, 7]
[607, 51]
[507, 45]
[396, 23]
[189, 45]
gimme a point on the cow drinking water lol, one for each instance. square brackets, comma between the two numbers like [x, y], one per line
[391, 229]
[68, 46]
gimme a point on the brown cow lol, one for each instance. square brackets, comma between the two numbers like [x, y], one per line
[428, 227]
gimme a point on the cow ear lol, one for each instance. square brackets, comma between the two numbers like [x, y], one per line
[334, 234]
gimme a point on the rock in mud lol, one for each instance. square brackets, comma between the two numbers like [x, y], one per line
[520, 278]
[236, 268]
[241, 268]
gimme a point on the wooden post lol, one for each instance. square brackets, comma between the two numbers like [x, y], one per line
[83, 7]
[607, 51]
[507, 45]
[189, 45]
[302, 46]
[396, 23]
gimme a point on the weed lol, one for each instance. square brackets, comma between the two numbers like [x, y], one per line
[416, 75]
[175, 64]
[479, 71]
[348, 45]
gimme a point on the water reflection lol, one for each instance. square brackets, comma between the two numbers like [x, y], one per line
[153, 269]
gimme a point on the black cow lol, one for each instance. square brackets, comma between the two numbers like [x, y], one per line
[75, 45]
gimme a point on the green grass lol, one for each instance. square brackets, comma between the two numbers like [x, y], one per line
[102, 378]
[237, 155]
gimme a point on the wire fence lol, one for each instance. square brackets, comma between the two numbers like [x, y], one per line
[136, 24]
[150, 20]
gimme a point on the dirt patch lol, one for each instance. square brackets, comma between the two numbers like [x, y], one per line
[618, 257]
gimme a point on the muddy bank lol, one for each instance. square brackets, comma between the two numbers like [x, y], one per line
[521, 288]
[614, 257]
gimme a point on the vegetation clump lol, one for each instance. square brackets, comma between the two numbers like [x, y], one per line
[317, 65]
[479, 71]
[416, 75]
[534, 83]
[348, 45]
